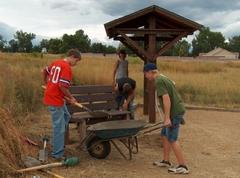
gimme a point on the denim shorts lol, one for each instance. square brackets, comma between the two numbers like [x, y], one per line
[172, 132]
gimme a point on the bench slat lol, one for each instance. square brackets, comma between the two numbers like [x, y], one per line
[95, 97]
[91, 89]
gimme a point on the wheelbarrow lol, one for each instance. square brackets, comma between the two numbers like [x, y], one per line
[101, 135]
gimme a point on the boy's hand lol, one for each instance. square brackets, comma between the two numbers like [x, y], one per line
[125, 105]
[167, 122]
[44, 87]
[72, 100]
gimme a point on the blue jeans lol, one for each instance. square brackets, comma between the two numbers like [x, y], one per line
[172, 132]
[60, 119]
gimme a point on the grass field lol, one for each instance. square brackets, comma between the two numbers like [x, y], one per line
[208, 83]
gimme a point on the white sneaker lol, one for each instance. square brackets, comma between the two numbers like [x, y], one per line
[162, 163]
[181, 169]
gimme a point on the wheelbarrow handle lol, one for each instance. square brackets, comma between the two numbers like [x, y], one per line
[151, 126]
[156, 128]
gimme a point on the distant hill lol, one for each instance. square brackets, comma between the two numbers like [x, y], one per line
[7, 31]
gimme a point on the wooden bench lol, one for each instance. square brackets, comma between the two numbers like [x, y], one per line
[96, 98]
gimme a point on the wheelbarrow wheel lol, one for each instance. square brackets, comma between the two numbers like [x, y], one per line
[98, 148]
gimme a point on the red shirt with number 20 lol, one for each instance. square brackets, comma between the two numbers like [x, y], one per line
[59, 74]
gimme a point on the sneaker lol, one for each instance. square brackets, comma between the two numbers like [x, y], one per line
[162, 163]
[181, 169]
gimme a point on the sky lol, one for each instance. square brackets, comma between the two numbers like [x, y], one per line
[53, 18]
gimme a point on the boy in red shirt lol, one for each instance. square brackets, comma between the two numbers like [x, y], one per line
[57, 78]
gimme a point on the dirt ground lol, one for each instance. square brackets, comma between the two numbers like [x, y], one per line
[210, 141]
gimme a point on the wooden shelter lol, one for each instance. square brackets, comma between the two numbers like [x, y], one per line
[149, 33]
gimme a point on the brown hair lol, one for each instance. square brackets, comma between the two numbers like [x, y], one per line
[74, 52]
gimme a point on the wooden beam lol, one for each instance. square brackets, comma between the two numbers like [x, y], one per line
[134, 50]
[133, 45]
[163, 22]
[144, 31]
[170, 44]
[141, 38]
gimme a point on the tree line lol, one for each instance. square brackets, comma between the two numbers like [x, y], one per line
[205, 41]
[22, 42]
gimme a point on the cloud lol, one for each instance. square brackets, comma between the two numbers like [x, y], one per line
[119, 7]
[7, 31]
[53, 18]
[218, 15]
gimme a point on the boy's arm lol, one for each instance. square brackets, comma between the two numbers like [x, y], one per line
[45, 74]
[114, 73]
[166, 110]
[128, 100]
[115, 69]
[68, 95]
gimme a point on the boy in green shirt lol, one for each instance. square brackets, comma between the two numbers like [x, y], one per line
[174, 110]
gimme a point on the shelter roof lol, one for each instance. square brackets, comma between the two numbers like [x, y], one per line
[167, 23]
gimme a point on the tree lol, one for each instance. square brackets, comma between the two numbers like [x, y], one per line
[98, 48]
[234, 44]
[44, 43]
[2, 43]
[111, 49]
[102, 48]
[82, 41]
[206, 41]
[36, 48]
[79, 40]
[24, 41]
[13, 46]
[55, 45]
[68, 42]
[128, 50]
[181, 48]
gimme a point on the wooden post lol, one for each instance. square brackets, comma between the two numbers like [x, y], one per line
[145, 97]
[149, 26]
[150, 84]
[82, 130]
[66, 137]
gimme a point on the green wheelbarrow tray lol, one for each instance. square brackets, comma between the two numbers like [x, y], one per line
[100, 136]
[116, 129]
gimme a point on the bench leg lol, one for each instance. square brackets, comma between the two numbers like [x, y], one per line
[82, 128]
[66, 135]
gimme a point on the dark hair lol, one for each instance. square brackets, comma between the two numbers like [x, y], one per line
[122, 51]
[127, 88]
[74, 52]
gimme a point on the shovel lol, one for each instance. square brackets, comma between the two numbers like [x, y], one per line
[67, 162]
[98, 114]
[31, 161]
[43, 154]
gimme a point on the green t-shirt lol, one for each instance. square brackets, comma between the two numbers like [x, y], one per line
[166, 86]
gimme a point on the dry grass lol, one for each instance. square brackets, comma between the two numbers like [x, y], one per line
[11, 149]
[199, 82]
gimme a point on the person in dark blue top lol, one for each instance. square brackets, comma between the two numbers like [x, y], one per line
[125, 89]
